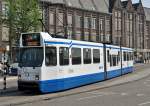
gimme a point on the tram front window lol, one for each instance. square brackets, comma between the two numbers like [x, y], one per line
[31, 57]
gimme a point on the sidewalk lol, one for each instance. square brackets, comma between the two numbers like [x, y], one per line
[141, 71]
[8, 78]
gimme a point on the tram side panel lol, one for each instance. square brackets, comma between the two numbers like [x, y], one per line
[84, 66]
[113, 61]
[127, 60]
[87, 71]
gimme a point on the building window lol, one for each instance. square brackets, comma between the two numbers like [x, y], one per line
[64, 56]
[108, 25]
[78, 21]
[60, 19]
[107, 37]
[93, 23]
[116, 24]
[119, 24]
[50, 56]
[87, 56]
[87, 22]
[51, 18]
[129, 30]
[76, 56]
[102, 28]
[117, 21]
[70, 20]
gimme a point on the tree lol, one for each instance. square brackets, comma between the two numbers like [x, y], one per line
[22, 16]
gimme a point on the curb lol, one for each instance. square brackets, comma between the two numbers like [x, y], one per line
[7, 91]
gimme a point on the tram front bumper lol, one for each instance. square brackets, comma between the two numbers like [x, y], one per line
[28, 85]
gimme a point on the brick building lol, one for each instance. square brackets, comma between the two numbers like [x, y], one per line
[147, 31]
[147, 27]
[106, 21]
[87, 20]
[128, 26]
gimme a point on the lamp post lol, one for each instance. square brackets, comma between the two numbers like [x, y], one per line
[5, 66]
[4, 83]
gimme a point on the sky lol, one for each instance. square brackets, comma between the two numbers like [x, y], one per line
[146, 3]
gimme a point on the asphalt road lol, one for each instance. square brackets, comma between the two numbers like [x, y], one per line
[130, 94]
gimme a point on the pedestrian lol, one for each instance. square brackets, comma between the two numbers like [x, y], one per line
[1, 68]
[6, 68]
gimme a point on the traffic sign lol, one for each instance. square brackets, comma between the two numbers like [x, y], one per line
[2, 50]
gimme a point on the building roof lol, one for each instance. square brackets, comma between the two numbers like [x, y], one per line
[88, 4]
[147, 13]
[91, 5]
[74, 3]
[54, 1]
[102, 5]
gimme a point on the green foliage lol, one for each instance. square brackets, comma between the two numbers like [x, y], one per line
[23, 15]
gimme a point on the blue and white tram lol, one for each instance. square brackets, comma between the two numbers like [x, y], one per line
[53, 64]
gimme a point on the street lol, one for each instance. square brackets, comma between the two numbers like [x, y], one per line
[128, 90]
[131, 94]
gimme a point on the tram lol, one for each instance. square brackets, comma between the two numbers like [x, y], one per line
[50, 64]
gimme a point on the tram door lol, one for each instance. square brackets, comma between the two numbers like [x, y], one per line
[106, 60]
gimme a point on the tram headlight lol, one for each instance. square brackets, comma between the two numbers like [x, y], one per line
[36, 77]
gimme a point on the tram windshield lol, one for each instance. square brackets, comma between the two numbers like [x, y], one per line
[31, 57]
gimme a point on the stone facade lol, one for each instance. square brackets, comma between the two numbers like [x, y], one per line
[128, 24]
[87, 20]
[128, 27]
[147, 27]
[107, 21]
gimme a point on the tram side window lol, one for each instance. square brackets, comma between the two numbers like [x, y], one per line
[131, 56]
[124, 56]
[76, 56]
[64, 56]
[87, 56]
[111, 62]
[108, 56]
[96, 56]
[119, 57]
[114, 58]
[128, 56]
[51, 56]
